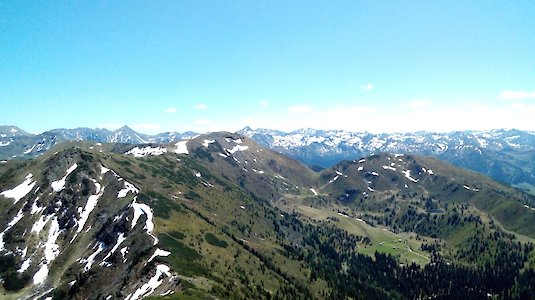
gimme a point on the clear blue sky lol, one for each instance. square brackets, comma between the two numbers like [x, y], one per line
[377, 66]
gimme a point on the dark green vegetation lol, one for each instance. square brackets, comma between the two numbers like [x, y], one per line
[248, 223]
[213, 240]
[12, 281]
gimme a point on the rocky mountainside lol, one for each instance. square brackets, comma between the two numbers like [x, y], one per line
[219, 216]
[505, 155]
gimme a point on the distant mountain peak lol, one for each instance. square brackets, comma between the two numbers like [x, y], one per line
[124, 128]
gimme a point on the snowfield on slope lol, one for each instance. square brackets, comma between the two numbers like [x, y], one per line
[142, 152]
[21, 190]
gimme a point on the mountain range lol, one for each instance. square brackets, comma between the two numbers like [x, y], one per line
[221, 216]
[505, 155]
[17, 143]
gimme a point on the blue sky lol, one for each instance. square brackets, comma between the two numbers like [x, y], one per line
[379, 66]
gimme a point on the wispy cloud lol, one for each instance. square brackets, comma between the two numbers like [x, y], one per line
[516, 95]
[171, 110]
[367, 87]
[299, 109]
[264, 103]
[417, 104]
[201, 106]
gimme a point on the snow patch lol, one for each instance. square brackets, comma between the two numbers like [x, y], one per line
[16, 219]
[470, 188]
[408, 176]
[334, 179]
[389, 168]
[60, 184]
[24, 266]
[237, 148]
[29, 149]
[91, 259]
[89, 206]
[120, 238]
[237, 141]
[12, 223]
[124, 251]
[51, 251]
[149, 287]
[140, 209]
[181, 147]
[38, 226]
[103, 169]
[41, 275]
[207, 143]
[20, 190]
[35, 208]
[128, 187]
[158, 252]
[142, 152]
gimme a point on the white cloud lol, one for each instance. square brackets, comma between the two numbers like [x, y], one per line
[299, 109]
[418, 104]
[200, 106]
[516, 95]
[264, 103]
[171, 110]
[367, 87]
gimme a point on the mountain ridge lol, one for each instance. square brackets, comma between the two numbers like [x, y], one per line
[507, 155]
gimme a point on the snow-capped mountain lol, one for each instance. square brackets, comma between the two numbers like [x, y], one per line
[505, 155]
[427, 142]
[14, 142]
